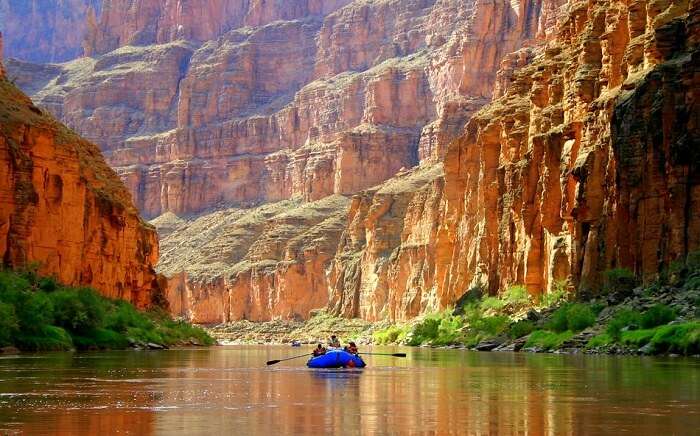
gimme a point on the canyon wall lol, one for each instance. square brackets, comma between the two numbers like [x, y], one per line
[46, 30]
[263, 263]
[586, 160]
[312, 98]
[243, 103]
[65, 210]
[384, 157]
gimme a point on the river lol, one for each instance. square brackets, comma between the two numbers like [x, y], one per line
[230, 390]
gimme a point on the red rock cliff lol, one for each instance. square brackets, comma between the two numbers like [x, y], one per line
[63, 207]
[45, 31]
[586, 160]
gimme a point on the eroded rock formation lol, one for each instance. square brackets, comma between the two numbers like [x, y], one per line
[586, 160]
[196, 111]
[258, 264]
[64, 209]
[46, 31]
[583, 161]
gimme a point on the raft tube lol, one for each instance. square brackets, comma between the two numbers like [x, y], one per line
[336, 359]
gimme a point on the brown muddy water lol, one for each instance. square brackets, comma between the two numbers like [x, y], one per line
[229, 390]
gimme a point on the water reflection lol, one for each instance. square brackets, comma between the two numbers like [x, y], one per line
[229, 390]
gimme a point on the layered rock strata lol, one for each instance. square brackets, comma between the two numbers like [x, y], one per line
[46, 30]
[63, 209]
[334, 98]
[586, 161]
[258, 264]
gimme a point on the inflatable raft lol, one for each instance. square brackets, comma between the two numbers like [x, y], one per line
[336, 359]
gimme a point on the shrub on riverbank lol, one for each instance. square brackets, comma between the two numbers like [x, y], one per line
[681, 338]
[548, 340]
[38, 314]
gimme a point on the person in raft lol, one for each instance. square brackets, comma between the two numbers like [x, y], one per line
[319, 351]
[334, 342]
[351, 348]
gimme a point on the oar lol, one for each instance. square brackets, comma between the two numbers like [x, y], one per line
[386, 354]
[272, 362]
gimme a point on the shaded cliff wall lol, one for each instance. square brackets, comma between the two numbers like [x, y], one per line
[46, 30]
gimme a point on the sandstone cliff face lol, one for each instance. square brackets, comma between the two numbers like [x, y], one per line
[64, 208]
[45, 31]
[195, 111]
[146, 22]
[587, 160]
[584, 160]
[258, 264]
[334, 100]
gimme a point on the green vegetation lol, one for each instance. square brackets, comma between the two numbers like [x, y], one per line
[38, 314]
[623, 319]
[572, 316]
[601, 340]
[521, 328]
[659, 329]
[682, 338]
[650, 330]
[391, 335]
[659, 314]
[547, 340]
[558, 294]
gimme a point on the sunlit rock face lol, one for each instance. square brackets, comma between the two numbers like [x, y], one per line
[65, 211]
[371, 114]
[261, 263]
[245, 103]
[586, 160]
[239, 102]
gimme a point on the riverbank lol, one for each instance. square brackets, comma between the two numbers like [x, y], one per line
[622, 318]
[40, 314]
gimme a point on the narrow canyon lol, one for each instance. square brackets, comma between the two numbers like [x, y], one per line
[376, 158]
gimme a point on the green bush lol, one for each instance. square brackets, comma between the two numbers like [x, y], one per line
[547, 340]
[637, 338]
[441, 328]
[123, 315]
[48, 284]
[602, 340]
[492, 303]
[47, 338]
[101, 338]
[174, 332]
[517, 296]
[34, 311]
[657, 315]
[38, 314]
[490, 325]
[625, 318]
[572, 316]
[678, 338]
[9, 324]
[581, 316]
[521, 328]
[558, 294]
[78, 310]
[448, 330]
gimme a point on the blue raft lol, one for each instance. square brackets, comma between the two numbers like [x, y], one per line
[336, 359]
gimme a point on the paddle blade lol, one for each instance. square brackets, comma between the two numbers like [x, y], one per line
[272, 362]
[399, 354]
